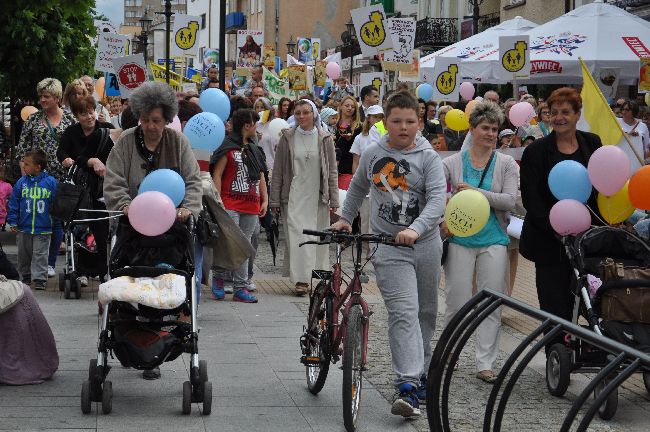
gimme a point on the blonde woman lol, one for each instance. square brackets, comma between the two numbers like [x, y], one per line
[74, 89]
[347, 129]
[304, 189]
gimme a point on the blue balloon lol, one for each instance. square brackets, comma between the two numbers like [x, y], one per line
[215, 101]
[570, 180]
[424, 91]
[166, 181]
[205, 131]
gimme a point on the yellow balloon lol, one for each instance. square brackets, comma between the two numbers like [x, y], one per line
[467, 213]
[457, 120]
[616, 208]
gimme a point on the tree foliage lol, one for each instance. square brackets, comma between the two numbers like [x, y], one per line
[44, 38]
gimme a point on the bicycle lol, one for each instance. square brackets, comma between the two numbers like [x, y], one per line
[337, 324]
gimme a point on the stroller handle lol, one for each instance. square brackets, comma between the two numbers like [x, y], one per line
[190, 223]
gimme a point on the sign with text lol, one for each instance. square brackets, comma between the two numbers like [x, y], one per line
[514, 55]
[131, 73]
[278, 88]
[402, 31]
[371, 29]
[110, 46]
[185, 35]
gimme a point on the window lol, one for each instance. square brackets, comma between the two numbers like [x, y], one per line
[202, 21]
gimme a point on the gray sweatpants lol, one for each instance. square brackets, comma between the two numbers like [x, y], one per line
[33, 251]
[408, 281]
[247, 223]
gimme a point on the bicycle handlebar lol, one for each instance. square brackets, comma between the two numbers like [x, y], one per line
[327, 237]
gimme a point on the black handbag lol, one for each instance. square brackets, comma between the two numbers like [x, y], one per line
[207, 231]
[69, 197]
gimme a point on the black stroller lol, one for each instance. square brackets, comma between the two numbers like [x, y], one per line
[613, 310]
[142, 337]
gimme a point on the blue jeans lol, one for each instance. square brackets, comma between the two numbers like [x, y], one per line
[55, 243]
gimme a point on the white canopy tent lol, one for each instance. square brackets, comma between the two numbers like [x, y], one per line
[603, 35]
[477, 47]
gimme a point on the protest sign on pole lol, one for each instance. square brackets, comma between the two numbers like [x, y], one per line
[104, 27]
[370, 27]
[315, 49]
[375, 79]
[304, 50]
[298, 77]
[110, 46]
[131, 73]
[278, 88]
[402, 31]
[175, 80]
[185, 35]
[644, 75]
[445, 79]
[413, 74]
[514, 52]
[210, 57]
[268, 54]
[320, 74]
[249, 48]
[111, 85]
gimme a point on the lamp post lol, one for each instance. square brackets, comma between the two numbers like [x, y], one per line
[291, 46]
[168, 16]
[145, 24]
[348, 37]
[475, 14]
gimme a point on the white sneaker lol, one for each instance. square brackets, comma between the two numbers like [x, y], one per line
[50, 272]
[251, 286]
[83, 280]
[228, 289]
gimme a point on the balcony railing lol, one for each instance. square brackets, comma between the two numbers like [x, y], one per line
[488, 20]
[436, 32]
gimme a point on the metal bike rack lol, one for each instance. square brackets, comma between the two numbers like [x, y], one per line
[624, 359]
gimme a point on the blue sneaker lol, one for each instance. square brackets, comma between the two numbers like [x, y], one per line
[244, 296]
[405, 401]
[217, 289]
[422, 390]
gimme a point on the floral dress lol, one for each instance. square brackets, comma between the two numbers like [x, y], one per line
[37, 134]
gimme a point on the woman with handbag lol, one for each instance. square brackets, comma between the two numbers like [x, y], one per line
[43, 131]
[87, 144]
[485, 253]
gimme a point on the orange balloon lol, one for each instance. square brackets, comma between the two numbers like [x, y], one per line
[27, 111]
[99, 86]
[639, 188]
[470, 107]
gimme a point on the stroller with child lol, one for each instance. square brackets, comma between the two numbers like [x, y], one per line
[143, 337]
[612, 269]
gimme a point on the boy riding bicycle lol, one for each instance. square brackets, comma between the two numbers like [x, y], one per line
[407, 198]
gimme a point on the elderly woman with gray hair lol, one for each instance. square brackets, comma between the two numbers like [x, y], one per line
[485, 253]
[151, 146]
[43, 131]
[304, 184]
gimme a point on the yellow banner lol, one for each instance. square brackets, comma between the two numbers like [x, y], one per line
[175, 80]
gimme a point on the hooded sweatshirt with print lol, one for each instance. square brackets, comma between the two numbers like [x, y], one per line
[407, 188]
[29, 205]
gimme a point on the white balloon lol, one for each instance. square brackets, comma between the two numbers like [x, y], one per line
[276, 126]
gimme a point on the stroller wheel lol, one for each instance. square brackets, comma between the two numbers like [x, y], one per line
[85, 397]
[187, 397]
[203, 370]
[207, 397]
[67, 286]
[646, 381]
[107, 397]
[558, 369]
[77, 289]
[61, 281]
[607, 410]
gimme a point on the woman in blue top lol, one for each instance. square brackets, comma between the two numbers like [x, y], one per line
[485, 253]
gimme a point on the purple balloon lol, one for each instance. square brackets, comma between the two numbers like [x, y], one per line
[152, 213]
[609, 169]
[521, 113]
[467, 90]
[570, 217]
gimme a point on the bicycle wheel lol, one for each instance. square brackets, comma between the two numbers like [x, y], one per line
[317, 342]
[352, 367]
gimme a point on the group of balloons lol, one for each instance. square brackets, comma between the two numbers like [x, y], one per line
[608, 171]
[153, 211]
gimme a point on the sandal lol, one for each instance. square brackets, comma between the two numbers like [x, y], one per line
[487, 376]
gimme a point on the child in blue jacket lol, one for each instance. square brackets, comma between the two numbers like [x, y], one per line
[29, 215]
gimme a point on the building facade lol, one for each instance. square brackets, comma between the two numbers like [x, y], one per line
[134, 9]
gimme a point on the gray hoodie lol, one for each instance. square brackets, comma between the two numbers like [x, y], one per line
[408, 188]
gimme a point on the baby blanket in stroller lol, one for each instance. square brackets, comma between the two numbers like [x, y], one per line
[163, 292]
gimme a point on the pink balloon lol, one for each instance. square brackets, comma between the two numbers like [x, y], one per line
[333, 70]
[609, 169]
[521, 113]
[152, 213]
[176, 124]
[467, 90]
[569, 217]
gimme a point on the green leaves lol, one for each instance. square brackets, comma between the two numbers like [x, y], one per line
[46, 38]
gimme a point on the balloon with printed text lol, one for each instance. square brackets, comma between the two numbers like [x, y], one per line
[205, 131]
[467, 213]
